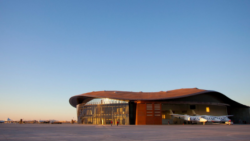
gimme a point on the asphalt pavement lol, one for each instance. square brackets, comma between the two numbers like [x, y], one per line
[79, 132]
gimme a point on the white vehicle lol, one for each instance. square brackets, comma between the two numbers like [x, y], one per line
[210, 118]
[189, 118]
[202, 118]
[217, 118]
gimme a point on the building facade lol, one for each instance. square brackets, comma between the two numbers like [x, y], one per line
[98, 112]
[147, 108]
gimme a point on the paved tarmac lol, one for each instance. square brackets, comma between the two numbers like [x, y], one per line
[75, 132]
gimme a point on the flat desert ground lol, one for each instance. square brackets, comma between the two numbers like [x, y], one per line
[78, 132]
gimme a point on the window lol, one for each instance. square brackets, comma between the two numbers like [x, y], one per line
[149, 107]
[163, 116]
[207, 109]
[89, 112]
[157, 107]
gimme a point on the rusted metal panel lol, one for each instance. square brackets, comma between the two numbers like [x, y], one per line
[141, 114]
[157, 113]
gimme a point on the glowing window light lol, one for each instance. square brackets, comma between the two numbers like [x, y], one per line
[207, 109]
[163, 116]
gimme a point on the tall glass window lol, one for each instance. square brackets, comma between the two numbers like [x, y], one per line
[103, 111]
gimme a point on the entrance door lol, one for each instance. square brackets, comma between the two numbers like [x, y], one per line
[148, 113]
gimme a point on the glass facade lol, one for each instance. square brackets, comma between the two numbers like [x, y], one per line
[103, 111]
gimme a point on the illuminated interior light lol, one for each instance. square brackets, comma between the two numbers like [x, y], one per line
[163, 116]
[207, 109]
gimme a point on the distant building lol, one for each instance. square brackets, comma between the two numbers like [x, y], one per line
[142, 108]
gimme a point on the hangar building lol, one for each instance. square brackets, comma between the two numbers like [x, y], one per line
[143, 108]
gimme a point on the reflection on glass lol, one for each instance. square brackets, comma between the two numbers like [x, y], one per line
[105, 101]
[103, 111]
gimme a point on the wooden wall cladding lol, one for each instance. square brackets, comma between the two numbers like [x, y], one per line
[148, 113]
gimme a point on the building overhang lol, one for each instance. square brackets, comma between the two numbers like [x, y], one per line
[150, 96]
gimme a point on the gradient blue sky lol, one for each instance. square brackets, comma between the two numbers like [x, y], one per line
[52, 50]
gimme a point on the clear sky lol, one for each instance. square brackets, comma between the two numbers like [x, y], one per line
[52, 50]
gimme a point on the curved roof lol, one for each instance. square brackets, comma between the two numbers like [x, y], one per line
[162, 95]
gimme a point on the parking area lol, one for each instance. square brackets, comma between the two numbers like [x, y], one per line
[75, 132]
